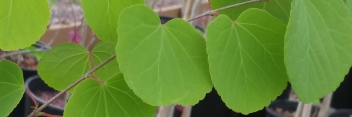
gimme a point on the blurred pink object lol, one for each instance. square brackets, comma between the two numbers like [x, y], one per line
[179, 107]
[74, 36]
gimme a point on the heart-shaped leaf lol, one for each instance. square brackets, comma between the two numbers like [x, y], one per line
[102, 16]
[22, 22]
[63, 64]
[246, 59]
[111, 99]
[163, 64]
[11, 87]
[67, 62]
[278, 8]
[318, 45]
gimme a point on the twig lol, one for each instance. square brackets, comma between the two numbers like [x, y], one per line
[85, 76]
[224, 8]
[22, 52]
[32, 98]
[325, 105]
[84, 32]
[91, 42]
[195, 9]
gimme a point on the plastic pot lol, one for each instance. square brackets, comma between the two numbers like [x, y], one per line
[342, 113]
[34, 84]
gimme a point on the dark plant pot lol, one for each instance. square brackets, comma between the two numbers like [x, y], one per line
[286, 105]
[341, 113]
[36, 84]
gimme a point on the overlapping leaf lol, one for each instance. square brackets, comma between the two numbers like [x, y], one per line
[318, 45]
[278, 8]
[111, 99]
[102, 16]
[101, 52]
[67, 62]
[11, 87]
[246, 59]
[163, 64]
[22, 22]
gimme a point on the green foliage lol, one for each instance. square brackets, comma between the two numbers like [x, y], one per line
[112, 98]
[246, 59]
[349, 6]
[249, 54]
[63, 64]
[318, 45]
[67, 62]
[162, 64]
[102, 16]
[38, 55]
[11, 87]
[15, 15]
[101, 52]
[278, 8]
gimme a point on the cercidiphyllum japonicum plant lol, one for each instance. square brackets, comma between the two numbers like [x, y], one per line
[249, 54]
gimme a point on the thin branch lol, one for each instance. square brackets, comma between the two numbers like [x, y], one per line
[195, 9]
[85, 76]
[32, 98]
[22, 52]
[84, 31]
[91, 42]
[224, 8]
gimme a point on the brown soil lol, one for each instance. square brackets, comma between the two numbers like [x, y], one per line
[47, 95]
[23, 60]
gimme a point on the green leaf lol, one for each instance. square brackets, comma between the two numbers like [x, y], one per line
[113, 98]
[163, 64]
[63, 64]
[278, 8]
[318, 45]
[349, 6]
[246, 59]
[38, 55]
[102, 16]
[22, 23]
[67, 62]
[11, 87]
[101, 52]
